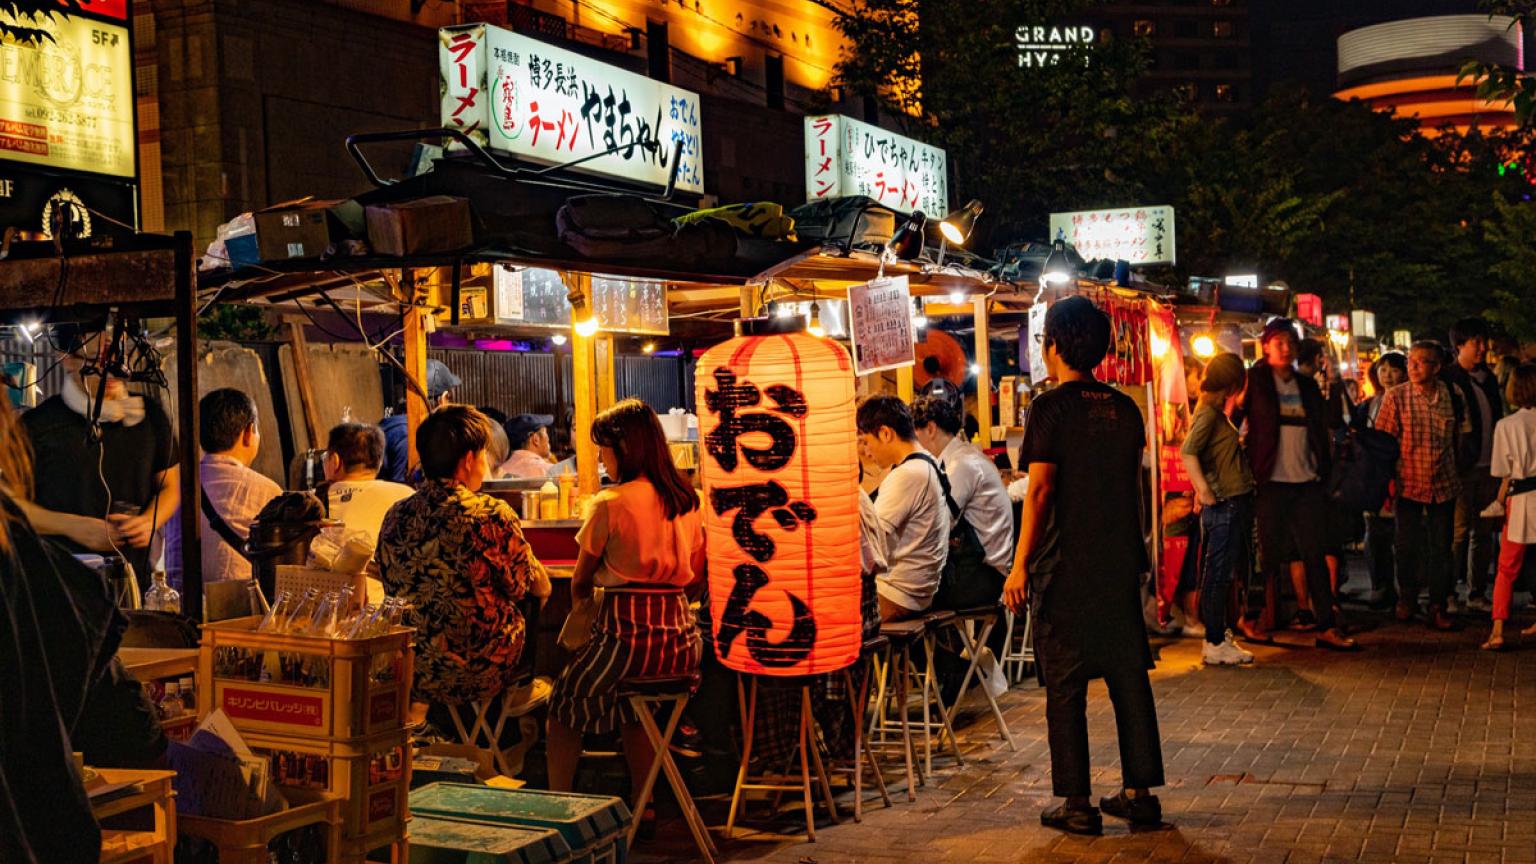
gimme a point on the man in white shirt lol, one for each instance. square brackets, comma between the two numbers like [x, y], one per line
[528, 435]
[977, 489]
[356, 496]
[910, 506]
[230, 439]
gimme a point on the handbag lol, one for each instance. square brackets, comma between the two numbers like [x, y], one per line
[578, 625]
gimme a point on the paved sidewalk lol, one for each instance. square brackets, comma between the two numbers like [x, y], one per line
[1409, 751]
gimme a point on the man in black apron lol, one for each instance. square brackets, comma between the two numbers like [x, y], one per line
[1078, 567]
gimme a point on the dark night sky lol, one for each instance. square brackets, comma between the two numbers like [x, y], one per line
[1294, 40]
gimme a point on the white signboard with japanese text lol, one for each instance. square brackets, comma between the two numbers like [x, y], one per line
[1139, 235]
[517, 95]
[846, 157]
[880, 320]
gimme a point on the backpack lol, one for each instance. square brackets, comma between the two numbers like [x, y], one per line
[1364, 464]
[967, 580]
[854, 222]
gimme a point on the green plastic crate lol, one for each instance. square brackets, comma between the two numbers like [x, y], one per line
[450, 841]
[594, 826]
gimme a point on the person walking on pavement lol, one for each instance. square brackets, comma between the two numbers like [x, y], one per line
[1514, 463]
[1288, 448]
[1477, 388]
[1422, 418]
[1389, 370]
[1078, 565]
[1223, 483]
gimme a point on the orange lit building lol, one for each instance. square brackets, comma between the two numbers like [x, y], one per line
[1410, 68]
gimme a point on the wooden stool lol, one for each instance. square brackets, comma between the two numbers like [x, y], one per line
[512, 703]
[933, 622]
[810, 755]
[858, 700]
[901, 637]
[643, 694]
[1018, 653]
[975, 643]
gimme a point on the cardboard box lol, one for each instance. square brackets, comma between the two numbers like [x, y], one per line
[305, 228]
[437, 223]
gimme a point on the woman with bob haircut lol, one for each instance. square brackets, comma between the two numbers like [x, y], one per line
[643, 543]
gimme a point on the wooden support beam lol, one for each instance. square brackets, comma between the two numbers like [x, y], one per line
[187, 424]
[306, 384]
[905, 390]
[415, 342]
[983, 371]
[607, 378]
[585, 388]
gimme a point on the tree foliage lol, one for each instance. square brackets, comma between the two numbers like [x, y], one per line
[20, 19]
[1497, 83]
[1329, 196]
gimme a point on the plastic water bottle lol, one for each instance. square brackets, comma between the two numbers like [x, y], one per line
[162, 597]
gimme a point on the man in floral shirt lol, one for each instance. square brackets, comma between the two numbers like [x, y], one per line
[1421, 415]
[459, 559]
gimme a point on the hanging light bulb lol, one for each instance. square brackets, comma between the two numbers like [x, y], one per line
[648, 348]
[558, 339]
[814, 327]
[1204, 346]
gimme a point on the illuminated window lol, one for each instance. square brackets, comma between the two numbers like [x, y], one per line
[1189, 92]
[1222, 29]
[1144, 27]
[1226, 93]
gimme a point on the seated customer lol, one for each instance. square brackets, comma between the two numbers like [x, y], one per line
[644, 544]
[978, 563]
[528, 435]
[459, 559]
[230, 440]
[910, 505]
[357, 497]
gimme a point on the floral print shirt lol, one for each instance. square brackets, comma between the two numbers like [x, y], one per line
[459, 558]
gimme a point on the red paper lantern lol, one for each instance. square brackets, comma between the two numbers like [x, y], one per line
[780, 467]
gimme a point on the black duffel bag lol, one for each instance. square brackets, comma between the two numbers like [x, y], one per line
[1364, 463]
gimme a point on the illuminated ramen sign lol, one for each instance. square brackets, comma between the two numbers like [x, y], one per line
[1040, 46]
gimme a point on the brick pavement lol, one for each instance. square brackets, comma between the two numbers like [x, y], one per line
[1410, 751]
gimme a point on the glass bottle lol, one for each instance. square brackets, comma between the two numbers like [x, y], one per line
[170, 701]
[161, 597]
[277, 614]
[299, 617]
[258, 601]
[188, 694]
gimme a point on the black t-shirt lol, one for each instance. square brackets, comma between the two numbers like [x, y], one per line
[1086, 566]
[70, 469]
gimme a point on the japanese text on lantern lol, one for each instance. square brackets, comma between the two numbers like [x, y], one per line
[743, 424]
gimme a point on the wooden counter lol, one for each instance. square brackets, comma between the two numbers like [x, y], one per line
[152, 664]
[150, 789]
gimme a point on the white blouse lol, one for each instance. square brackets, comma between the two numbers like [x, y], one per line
[1514, 456]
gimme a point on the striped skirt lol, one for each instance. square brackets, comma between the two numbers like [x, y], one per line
[641, 632]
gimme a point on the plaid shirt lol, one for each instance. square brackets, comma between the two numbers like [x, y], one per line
[1425, 428]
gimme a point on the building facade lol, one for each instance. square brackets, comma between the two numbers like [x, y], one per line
[1202, 50]
[225, 128]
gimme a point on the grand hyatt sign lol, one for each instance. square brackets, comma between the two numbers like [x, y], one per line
[1041, 46]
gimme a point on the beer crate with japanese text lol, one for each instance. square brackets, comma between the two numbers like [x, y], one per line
[371, 776]
[315, 817]
[308, 686]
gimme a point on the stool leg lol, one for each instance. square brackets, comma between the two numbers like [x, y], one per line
[927, 681]
[821, 768]
[805, 767]
[877, 720]
[749, 711]
[906, 727]
[974, 647]
[945, 726]
[642, 708]
[675, 778]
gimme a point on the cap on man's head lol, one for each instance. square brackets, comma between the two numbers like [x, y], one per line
[439, 379]
[1276, 327]
[519, 428]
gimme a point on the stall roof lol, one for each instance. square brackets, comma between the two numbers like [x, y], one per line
[833, 269]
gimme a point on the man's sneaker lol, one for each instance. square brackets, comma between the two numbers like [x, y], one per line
[1143, 811]
[1225, 654]
[1073, 820]
[1243, 653]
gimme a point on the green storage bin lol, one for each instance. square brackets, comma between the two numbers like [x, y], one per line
[450, 841]
[594, 826]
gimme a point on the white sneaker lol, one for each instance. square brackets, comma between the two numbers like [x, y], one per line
[1244, 655]
[1225, 654]
[1192, 631]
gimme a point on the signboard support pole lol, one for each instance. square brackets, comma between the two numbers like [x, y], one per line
[748, 301]
[904, 388]
[983, 371]
[585, 386]
[606, 385]
[186, 415]
[416, 407]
